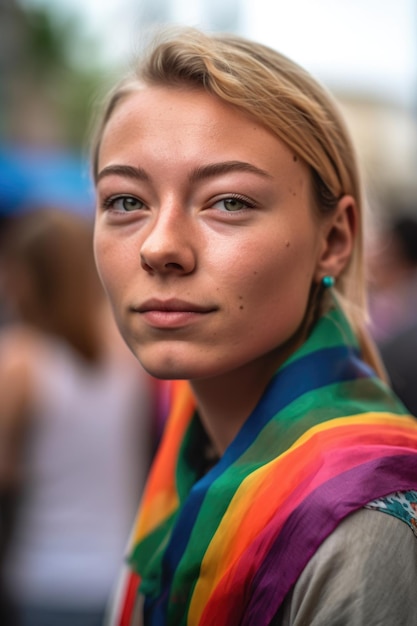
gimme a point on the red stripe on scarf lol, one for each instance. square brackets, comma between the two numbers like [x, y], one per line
[129, 600]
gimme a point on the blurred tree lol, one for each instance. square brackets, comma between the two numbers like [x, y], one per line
[47, 41]
[46, 95]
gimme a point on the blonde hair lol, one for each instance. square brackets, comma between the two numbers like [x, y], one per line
[283, 97]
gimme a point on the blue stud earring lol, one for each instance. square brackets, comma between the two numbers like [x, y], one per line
[327, 281]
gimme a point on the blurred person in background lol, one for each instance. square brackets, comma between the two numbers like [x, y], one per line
[75, 425]
[392, 274]
[392, 268]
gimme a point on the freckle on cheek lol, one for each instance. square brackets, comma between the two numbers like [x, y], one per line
[241, 307]
[287, 244]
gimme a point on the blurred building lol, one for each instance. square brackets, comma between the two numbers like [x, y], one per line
[385, 133]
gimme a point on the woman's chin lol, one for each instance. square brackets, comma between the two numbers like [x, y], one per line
[168, 368]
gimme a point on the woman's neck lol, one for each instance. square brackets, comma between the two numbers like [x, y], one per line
[226, 401]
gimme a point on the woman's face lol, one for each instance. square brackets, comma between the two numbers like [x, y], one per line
[205, 236]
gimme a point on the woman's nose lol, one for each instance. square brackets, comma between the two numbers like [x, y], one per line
[169, 245]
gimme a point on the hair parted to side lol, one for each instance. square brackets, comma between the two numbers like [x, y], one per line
[280, 95]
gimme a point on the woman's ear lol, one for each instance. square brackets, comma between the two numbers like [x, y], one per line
[339, 231]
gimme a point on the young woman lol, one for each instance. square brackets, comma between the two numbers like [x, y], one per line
[229, 239]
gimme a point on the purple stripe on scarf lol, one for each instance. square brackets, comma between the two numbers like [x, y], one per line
[314, 520]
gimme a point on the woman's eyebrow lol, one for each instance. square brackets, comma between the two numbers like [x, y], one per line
[204, 171]
[224, 167]
[128, 171]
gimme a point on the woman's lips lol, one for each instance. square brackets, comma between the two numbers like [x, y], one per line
[172, 313]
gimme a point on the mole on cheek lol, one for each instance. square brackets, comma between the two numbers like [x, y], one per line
[287, 244]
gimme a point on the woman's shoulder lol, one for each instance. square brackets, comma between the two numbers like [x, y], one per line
[18, 350]
[21, 348]
[18, 334]
[365, 572]
[19, 345]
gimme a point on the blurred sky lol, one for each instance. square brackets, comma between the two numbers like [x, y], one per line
[367, 45]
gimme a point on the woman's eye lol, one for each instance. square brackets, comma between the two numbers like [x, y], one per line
[232, 204]
[124, 204]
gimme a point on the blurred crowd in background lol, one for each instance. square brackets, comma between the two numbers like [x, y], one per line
[77, 424]
[79, 418]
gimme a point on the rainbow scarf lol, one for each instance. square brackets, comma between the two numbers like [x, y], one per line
[326, 438]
